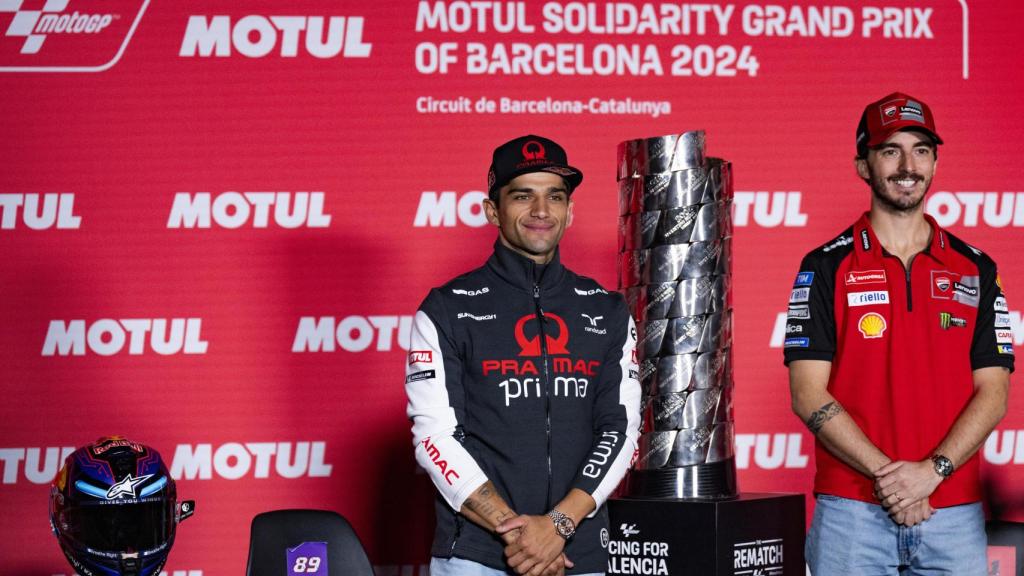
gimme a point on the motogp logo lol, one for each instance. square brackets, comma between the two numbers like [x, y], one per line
[531, 346]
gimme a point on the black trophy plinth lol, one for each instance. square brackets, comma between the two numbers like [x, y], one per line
[751, 535]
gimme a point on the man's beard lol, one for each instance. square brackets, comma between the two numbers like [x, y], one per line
[900, 204]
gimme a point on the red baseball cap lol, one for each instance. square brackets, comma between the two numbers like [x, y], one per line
[895, 112]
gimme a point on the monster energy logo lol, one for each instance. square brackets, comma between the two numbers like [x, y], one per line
[947, 320]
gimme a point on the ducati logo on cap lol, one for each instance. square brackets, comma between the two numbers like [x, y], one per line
[533, 150]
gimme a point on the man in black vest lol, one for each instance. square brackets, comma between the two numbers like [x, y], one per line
[522, 386]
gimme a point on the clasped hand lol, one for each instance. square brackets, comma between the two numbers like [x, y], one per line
[533, 547]
[903, 489]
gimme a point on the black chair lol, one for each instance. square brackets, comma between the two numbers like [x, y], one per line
[1009, 537]
[275, 532]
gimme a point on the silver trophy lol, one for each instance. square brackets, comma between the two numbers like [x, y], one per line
[675, 268]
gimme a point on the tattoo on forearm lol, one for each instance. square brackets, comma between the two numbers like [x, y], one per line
[481, 503]
[822, 415]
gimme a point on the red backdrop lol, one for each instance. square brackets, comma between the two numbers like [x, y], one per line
[217, 220]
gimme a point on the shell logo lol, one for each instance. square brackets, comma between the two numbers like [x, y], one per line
[872, 325]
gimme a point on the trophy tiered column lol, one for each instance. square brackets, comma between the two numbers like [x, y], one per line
[675, 269]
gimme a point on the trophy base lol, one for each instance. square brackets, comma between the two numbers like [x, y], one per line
[714, 481]
[753, 534]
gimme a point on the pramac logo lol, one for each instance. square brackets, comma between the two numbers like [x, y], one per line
[531, 346]
[66, 35]
[533, 150]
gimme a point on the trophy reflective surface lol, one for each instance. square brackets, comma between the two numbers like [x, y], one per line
[675, 248]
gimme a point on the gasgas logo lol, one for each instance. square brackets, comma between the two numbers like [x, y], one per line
[66, 35]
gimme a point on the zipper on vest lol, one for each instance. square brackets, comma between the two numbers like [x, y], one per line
[910, 296]
[542, 335]
[458, 532]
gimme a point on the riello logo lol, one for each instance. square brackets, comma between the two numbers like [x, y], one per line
[133, 336]
[66, 35]
[259, 36]
[255, 209]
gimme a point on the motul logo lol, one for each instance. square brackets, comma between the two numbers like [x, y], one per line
[164, 573]
[258, 36]
[446, 209]
[107, 337]
[770, 451]
[38, 211]
[1004, 447]
[352, 333]
[234, 460]
[230, 461]
[996, 209]
[417, 356]
[769, 209]
[237, 209]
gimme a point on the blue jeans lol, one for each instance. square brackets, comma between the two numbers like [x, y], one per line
[854, 537]
[460, 567]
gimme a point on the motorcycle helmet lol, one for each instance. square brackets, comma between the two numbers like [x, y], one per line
[113, 509]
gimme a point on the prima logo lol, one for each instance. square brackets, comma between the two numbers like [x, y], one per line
[257, 36]
[66, 35]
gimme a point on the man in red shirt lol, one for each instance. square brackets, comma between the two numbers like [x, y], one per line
[899, 353]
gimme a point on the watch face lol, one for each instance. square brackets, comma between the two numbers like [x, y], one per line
[564, 527]
[943, 466]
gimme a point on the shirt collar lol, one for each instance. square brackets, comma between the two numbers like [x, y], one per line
[523, 272]
[867, 243]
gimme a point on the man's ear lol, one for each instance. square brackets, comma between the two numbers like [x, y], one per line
[568, 218]
[491, 212]
[861, 164]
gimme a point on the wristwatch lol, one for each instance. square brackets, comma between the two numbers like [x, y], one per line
[943, 465]
[564, 525]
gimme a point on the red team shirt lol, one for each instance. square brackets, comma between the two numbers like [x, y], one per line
[903, 343]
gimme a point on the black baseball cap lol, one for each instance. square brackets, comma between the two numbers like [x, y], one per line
[527, 154]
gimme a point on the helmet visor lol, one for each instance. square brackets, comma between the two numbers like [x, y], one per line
[135, 527]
